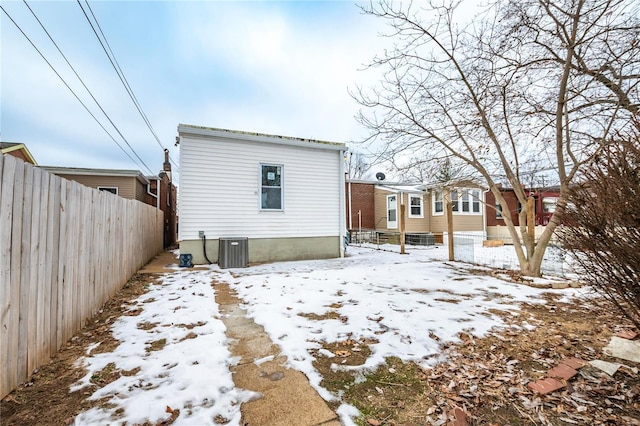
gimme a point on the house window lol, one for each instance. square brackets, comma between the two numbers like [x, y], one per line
[111, 189]
[271, 187]
[438, 202]
[465, 201]
[415, 206]
[549, 204]
[498, 210]
[475, 200]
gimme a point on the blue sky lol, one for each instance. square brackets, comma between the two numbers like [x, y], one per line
[271, 67]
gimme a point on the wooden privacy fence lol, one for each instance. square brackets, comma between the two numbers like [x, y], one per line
[65, 249]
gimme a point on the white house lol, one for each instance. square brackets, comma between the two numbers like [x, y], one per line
[284, 195]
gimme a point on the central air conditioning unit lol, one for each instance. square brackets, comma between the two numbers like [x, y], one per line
[233, 252]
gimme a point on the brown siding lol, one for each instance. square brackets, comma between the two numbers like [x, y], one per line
[416, 224]
[461, 222]
[381, 210]
[438, 223]
[412, 224]
[19, 153]
[467, 222]
[141, 192]
[126, 185]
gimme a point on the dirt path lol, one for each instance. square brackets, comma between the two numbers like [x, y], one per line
[287, 397]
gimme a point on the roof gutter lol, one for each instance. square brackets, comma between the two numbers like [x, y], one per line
[205, 132]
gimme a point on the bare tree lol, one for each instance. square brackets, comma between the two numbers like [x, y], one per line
[357, 165]
[603, 224]
[525, 81]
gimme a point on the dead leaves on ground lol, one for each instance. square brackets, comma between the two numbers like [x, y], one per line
[484, 380]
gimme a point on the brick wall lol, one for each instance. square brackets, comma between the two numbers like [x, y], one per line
[362, 199]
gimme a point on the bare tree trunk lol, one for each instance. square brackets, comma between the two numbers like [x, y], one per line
[530, 85]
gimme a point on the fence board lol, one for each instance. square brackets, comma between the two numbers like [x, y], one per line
[32, 265]
[53, 246]
[36, 326]
[44, 274]
[72, 241]
[62, 254]
[8, 378]
[65, 249]
[16, 242]
[25, 275]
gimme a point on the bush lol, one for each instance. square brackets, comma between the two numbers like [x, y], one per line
[602, 225]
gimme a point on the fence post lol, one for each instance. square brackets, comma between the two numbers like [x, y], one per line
[449, 207]
[402, 235]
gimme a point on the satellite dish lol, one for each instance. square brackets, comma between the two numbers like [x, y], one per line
[380, 176]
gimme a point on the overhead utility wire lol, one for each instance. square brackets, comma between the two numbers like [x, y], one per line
[118, 69]
[124, 80]
[85, 86]
[65, 83]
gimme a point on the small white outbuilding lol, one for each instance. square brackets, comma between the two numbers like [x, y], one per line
[276, 197]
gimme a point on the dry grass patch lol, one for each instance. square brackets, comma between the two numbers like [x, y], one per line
[327, 315]
[156, 345]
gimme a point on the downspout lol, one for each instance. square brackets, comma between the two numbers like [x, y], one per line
[350, 208]
[343, 218]
[484, 214]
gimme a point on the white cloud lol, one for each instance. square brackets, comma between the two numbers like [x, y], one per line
[300, 70]
[281, 68]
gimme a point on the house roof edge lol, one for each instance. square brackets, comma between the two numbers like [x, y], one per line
[188, 129]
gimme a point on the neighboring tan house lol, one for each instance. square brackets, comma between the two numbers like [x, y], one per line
[282, 197]
[388, 202]
[467, 204]
[424, 208]
[132, 185]
[17, 150]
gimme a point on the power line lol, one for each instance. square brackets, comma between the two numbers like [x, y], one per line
[65, 83]
[85, 86]
[118, 70]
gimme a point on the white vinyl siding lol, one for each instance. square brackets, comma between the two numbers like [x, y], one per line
[220, 190]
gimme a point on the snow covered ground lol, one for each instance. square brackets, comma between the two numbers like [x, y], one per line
[410, 304]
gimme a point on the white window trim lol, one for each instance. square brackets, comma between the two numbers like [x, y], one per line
[419, 197]
[471, 199]
[549, 202]
[262, 209]
[387, 212]
[108, 189]
[433, 203]
[459, 191]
